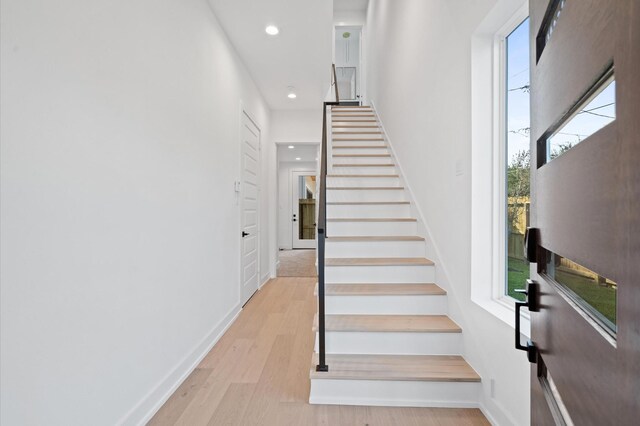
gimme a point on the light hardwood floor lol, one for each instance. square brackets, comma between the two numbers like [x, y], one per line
[258, 374]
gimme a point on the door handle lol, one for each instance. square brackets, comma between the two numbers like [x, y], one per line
[533, 304]
[531, 244]
[244, 234]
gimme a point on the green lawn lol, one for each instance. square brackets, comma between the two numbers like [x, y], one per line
[517, 276]
[602, 299]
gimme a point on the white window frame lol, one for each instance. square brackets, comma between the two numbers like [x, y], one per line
[489, 145]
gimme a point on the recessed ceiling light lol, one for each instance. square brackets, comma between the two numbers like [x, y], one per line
[298, 158]
[292, 96]
[291, 92]
[272, 30]
[291, 146]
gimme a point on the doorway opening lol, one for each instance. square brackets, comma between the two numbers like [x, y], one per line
[297, 188]
[348, 49]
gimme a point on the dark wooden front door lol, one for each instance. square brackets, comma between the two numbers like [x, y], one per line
[585, 146]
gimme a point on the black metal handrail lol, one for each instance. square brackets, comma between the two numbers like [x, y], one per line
[322, 227]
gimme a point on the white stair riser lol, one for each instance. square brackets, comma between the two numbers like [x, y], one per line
[374, 248]
[368, 210]
[363, 181]
[357, 151]
[387, 305]
[395, 393]
[349, 136]
[362, 160]
[358, 342]
[358, 144]
[362, 113]
[355, 122]
[337, 127]
[360, 195]
[380, 274]
[344, 108]
[346, 229]
[375, 170]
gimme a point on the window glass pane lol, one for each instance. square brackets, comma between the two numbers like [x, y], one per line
[517, 161]
[306, 207]
[596, 113]
[594, 293]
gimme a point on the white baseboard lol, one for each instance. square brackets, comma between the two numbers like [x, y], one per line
[144, 410]
[265, 278]
[391, 402]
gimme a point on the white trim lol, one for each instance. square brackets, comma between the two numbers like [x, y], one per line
[328, 400]
[488, 153]
[149, 405]
[265, 279]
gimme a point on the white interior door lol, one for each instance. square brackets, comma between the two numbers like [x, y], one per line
[303, 209]
[249, 194]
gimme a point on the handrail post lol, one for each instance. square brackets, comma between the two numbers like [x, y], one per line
[335, 82]
[322, 231]
[322, 220]
[322, 362]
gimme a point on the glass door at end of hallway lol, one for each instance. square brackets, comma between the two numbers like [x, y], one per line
[303, 214]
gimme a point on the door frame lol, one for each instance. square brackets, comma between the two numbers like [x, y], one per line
[292, 185]
[275, 192]
[360, 82]
[239, 194]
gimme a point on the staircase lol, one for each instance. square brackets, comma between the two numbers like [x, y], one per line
[389, 340]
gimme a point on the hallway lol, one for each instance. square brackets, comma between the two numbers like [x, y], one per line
[258, 373]
[297, 263]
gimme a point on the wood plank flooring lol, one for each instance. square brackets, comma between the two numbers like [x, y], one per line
[258, 374]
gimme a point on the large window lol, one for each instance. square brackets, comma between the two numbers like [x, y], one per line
[517, 161]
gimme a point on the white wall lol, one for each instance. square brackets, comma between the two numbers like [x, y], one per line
[120, 226]
[418, 76]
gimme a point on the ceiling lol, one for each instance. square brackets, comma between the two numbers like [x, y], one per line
[350, 5]
[299, 56]
[305, 152]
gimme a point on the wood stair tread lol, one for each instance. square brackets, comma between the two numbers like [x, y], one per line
[366, 203]
[374, 238]
[354, 126]
[358, 139]
[352, 115]
[363, 176]
[433, 368]
[378, 261]
[362, 155]
[365, 188]
[368, 120]
[372, 219]
[364, 165]
[360, 147]
[428, 289]
[388, 323]
[364, 132]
